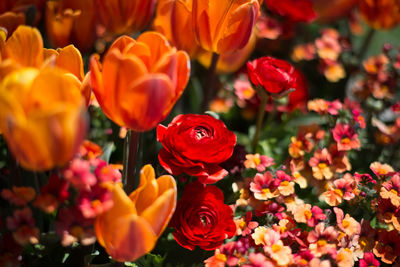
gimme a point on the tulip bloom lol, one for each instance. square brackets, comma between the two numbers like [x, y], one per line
[230, 62]
[380, 14]
[15, 55]
[124, 16]
[42, 117]
[71, 21]
[224, 26]
[174, 17]
[132, 226]
[139, 81]
[329, 11]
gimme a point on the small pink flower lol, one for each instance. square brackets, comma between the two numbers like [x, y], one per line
[347, 185]
[381, 170]
[258, 260]
[19, 196]
[244, 226]
[321, 164]
[243, 88]
[258, 162]
[71, 226]
[364, 178]
[368, 260]
[107, 173]
[23, 226]
[95, 201]
[347, 223]
[79, 174]
[345, 137]
[265, 186]
[322, 106]
[52, 194]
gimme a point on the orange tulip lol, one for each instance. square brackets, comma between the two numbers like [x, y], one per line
[42, 117]
[139, 81]
[132, 226]
[224, 26]
[331, 10]
[15, 55]
[380, 14]
[174, 17]
[71, 21]
[11, 20]
[230, 62]
[124, 16]
[12, 13]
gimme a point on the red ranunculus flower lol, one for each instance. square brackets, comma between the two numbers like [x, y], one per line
[196, 145]
[274, 75]
[294, 10]
[201, 218]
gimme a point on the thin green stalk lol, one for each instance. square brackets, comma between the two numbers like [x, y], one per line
[131, 146]
[260, 118]
[209, 88]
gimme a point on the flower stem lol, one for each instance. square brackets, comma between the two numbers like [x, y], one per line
[131, 146]
[260, 118]
[209, 88]
[366, 43]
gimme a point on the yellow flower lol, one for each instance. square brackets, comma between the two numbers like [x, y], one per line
[42, 117]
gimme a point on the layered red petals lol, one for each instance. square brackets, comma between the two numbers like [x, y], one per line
[196, 145]
[202, 219]
[274, 75]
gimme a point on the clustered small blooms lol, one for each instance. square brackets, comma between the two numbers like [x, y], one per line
[77, 194]
[313, 180]
[328, 50]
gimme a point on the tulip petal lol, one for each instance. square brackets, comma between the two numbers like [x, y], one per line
[157, 44]
[160, 212]
[59, 23]
[147, 192]
[177, 67]
[239, 29]
[25, 46]
[152, 90]
[51, 87]
[120, 71]
[11, 21]
[123, 43]
[165, 182]
[126, 238]
[70, 59]
[201, 24]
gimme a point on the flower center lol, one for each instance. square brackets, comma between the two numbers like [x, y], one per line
[201, 132]
[345, 140]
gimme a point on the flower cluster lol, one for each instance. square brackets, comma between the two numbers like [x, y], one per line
[327, 49]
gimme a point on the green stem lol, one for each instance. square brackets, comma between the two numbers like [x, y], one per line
[366, 43]
[209, 88]
[131, 146]
[260, 118]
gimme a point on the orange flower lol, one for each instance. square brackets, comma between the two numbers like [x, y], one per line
[42, 117]
[380, 14]
[224, 26]
[174, 17]
[328, 11]
[231, 61]
[12, 13]
[11, 20]
[140, 81]
[124, 16]
[132, 226]
[71, 21]
[15, 55]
